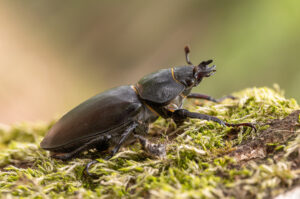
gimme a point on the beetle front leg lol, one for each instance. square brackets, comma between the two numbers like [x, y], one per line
[209, 98]
[181, 114]
[124, 137]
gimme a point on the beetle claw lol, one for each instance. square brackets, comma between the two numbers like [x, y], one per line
[222, 123]
[86, 169]
[232, 97]
[251, 125]
[108, 157]
[88, 165]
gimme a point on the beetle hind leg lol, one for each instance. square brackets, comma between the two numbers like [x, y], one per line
[90, 144]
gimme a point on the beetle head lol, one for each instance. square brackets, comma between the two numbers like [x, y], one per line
[191, 75]
[202, 70]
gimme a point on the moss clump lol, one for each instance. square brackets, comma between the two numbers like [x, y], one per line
[197, 163]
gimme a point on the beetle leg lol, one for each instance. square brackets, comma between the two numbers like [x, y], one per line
[67, 156]
[63, 156]
[88, 165]
[124, 137]
[209, 98]
[181, 114]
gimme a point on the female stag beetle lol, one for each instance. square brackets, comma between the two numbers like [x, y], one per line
[120, 115]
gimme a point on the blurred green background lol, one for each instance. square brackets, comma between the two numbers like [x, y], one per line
[55, 54]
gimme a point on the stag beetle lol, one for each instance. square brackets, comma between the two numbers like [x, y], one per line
[121, 115]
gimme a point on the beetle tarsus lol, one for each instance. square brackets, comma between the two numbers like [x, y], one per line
[86, 169]
[93, 162]
[251, 125]
[109, 156]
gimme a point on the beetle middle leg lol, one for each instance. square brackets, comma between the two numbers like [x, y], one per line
[122, 140]
[209, 98]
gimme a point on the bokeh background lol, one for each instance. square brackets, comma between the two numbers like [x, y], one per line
[55, 54]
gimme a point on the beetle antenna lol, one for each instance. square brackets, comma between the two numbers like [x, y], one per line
[187, 52]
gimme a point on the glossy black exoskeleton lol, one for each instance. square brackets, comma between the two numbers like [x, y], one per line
[120, 115]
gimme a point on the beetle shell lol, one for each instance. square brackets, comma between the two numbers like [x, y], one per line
[159, 87]
[106, 112]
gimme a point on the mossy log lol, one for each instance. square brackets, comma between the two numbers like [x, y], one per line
[204, 159]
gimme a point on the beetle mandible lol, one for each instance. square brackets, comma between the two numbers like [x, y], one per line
[120, 115]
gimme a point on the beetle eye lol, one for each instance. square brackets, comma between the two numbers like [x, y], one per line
[194, 70]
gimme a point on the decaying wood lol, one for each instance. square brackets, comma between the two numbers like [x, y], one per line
[280, 132]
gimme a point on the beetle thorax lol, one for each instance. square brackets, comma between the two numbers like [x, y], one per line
[185, 75]
[176, 103]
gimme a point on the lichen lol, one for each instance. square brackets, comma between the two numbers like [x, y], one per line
[197, 164]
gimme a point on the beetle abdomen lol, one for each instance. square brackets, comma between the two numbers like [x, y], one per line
[99, 114]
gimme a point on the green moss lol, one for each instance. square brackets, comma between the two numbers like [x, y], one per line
[196, 165]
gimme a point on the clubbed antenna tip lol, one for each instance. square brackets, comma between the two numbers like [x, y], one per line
[187, 51]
